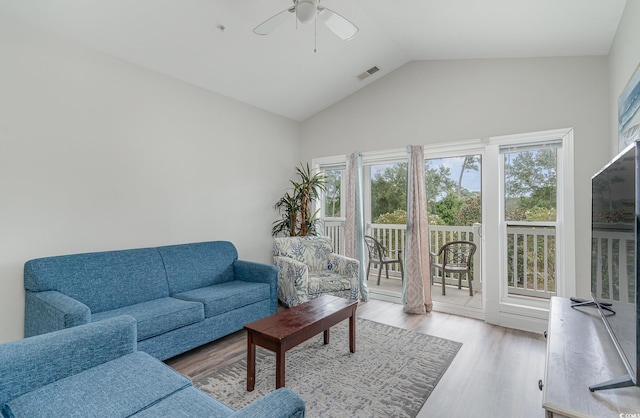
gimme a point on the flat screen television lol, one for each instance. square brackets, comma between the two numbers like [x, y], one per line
[615, 264]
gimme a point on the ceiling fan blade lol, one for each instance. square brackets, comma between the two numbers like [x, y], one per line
[338, 24]
[273, 22]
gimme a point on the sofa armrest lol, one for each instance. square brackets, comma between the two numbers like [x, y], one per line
[348, 267]
[282, 403]
[293, 281]
[34, 362]
[51, 311]
[250, 271]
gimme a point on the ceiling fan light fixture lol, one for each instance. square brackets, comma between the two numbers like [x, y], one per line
[306, 10]
[309, 11]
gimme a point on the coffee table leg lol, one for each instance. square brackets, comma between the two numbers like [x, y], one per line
[280, 366]
[352, 332]
[251, 362]
[326, 336]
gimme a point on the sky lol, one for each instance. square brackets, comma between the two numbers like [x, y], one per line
[471, 180]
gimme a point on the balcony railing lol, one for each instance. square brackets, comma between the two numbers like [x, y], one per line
[335, 231]
[392, 237]
[531, 247]
[531, 259]
[613, 264]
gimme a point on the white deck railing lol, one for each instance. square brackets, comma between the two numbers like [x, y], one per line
[530, 261]
[392, 237]
[335, 231]
[612, 280]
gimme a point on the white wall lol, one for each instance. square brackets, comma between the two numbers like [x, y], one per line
[624, 58]
[98, 154]
[439, 101]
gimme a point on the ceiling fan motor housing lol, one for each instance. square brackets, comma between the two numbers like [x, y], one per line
[306, 10]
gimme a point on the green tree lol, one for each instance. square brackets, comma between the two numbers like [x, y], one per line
[447, 209]
[397, 217]
[389, 190]
[448, 202]
[530, 170]
[540, 214]
[332, 202]
[530, 180]
[470, 164]
[470, 212]
[438, 182]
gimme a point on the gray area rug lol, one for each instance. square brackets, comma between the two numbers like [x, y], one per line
[391, 374]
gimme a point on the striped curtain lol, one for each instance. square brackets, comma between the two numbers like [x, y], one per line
[416, 296]
[354, 214]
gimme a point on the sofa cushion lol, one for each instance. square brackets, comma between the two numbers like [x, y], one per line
[327, 282]
[158, 316]
[191, 266]
[120, 387]
[228, 296]
[188, 402]
[103, 280]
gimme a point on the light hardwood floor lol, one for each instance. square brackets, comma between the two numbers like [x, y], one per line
[495, 374]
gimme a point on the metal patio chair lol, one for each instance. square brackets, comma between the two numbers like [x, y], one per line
[455, 257]
[378, 254]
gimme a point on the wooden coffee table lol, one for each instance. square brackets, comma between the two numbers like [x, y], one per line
[288, 328]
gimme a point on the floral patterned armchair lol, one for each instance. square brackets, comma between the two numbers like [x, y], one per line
[307, 268]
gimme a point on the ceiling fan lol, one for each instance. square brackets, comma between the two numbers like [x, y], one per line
[307, 11]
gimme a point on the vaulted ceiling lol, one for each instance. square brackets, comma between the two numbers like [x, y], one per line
[210, 43]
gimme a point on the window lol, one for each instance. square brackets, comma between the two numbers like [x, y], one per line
[333, 195]
[530, 214]
[332, 212]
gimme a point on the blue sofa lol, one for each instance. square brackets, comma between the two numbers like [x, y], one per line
[94, 370]
[182, 296]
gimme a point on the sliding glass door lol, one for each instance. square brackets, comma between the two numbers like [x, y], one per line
[454, 203]
[385, 222]
[512, 196]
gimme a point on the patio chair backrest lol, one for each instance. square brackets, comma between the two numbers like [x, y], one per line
[457, 253]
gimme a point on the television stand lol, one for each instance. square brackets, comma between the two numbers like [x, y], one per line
[580, 353]
[619, 382]
[579, 302]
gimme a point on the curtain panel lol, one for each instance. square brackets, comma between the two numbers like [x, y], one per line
[354, 223]
[416, 296]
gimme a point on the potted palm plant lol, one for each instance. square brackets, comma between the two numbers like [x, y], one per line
[296, 218]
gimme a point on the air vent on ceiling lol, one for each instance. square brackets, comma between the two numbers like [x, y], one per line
[369, 72]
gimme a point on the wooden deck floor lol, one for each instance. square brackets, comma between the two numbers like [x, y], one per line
[495, 374]
[391, 290]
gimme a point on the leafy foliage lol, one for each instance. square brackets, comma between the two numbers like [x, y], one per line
[530, 195]
[295, 206]
[389, 190]
[332, 195]
[530, 180]
[470, 212]
[447, 209]
[397, 217]
[438, 182]
[540, 214]
[530, 171]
